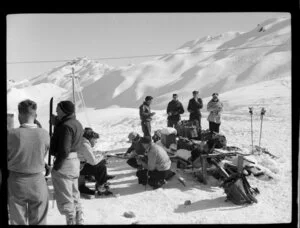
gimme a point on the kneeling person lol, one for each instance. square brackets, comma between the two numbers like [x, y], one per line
[93, 165]
[134, 149]
[158, 164]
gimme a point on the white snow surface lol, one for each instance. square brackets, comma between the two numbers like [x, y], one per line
[166, 205]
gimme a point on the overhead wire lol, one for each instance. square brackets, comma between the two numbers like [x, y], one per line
[145, 56]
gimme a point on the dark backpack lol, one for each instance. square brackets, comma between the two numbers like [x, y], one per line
[218, 140]
[238, 190]
[184, 143]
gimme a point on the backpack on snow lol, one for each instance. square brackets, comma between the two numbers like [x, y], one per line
[216, 139]
[238, 190]
[185, 143]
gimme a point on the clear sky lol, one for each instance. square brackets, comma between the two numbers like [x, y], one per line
[39, 37]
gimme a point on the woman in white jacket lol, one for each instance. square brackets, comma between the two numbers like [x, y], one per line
[93, 165]
[215, 107]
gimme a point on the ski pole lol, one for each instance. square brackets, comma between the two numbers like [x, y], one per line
[146, 180]
[251, 113]
[262, 113]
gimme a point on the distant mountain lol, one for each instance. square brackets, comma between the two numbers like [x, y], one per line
[205, 70]
[209, 64]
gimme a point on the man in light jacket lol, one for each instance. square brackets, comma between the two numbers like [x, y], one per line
[27, 188]
[92, 164]
[215, 107]
[158, 163]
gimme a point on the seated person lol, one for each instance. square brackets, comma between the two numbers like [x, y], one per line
[134, 149]
[93, 165]
[158, 163]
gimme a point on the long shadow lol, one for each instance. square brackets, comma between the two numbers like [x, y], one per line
[122, 175]
[118, 150]
[207, 204]
[124, 182]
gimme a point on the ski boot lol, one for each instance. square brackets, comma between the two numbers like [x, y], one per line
[79, 218]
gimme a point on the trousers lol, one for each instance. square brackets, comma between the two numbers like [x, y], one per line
[146, 128]
[173, 123]
[99, 171]
[65, 184]
[215, 127]
[28, 198]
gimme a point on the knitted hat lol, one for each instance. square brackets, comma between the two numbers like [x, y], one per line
[148, 98]
[132, 136]
[67, 107]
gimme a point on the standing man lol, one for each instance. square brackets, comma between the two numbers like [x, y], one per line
[146, 116]
[27, 187]
[215, 107]
[65, 143]
[194, 106]
[174, 110]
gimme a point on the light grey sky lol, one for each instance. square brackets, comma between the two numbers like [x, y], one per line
[38, 37]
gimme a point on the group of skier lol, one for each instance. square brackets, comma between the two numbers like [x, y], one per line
[73, 149]
[175, 109]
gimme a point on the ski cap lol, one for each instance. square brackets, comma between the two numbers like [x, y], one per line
[148, 98]
[67, 107]
[132, 135]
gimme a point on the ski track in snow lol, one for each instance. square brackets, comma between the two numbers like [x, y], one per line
[166, 206]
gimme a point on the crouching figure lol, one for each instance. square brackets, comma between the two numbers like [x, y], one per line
[94, 165]
[157, 166]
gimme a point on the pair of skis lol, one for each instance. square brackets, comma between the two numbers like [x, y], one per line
[262, 113]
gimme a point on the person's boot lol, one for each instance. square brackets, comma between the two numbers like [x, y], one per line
[106, 192]
[70, 220]
[106, 185]
[102, 190]
[158, 184]
[79, 218]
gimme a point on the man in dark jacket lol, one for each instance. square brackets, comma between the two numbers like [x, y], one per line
[134, 150]
[146, 116]
[65, 143]
[194, 106]
[174, 110]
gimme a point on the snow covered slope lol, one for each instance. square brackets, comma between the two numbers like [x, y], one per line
[205, 70]
[220, 63]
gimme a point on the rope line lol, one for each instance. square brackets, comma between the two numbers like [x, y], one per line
[144, 56]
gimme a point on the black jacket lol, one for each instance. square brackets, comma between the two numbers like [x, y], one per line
[176, 108]
[195, 107]
[66, 138]
[145, 112]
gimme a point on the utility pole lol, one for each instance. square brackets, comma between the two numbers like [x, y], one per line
[73, 85]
